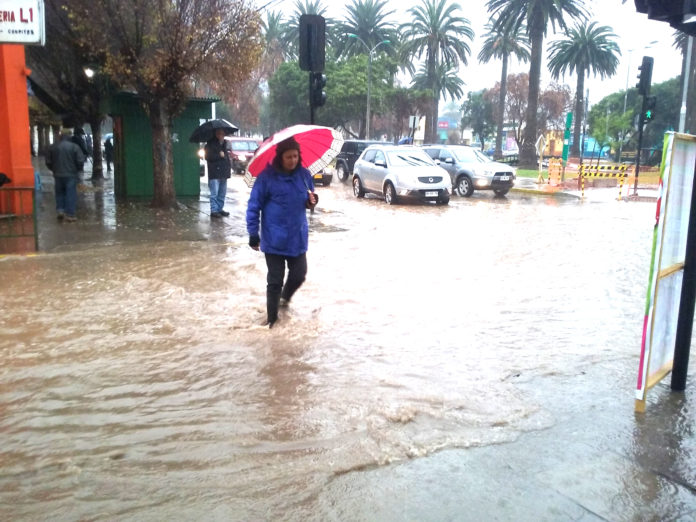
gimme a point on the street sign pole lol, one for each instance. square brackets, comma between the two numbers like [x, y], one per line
[566, 142]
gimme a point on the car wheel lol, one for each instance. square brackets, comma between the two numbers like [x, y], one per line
[444, 200]
[465, 187]
[501, 192]
[390, 194]
[358, 190]
[341, 172]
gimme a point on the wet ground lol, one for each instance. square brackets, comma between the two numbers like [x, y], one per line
[469, 362]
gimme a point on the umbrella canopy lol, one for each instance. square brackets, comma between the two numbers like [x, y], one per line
[206, 131]
[318, 146]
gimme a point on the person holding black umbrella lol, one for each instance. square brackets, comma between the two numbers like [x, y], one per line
[219, 171]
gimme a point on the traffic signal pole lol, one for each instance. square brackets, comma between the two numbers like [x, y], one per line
[641, 124]
[687, 303]
[644, 81]
[311, 98]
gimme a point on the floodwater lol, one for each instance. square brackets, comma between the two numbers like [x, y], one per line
[137, 382]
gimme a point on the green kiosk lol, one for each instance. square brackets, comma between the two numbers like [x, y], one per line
[133, 147]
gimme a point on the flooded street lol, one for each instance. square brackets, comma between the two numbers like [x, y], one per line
[137, 382]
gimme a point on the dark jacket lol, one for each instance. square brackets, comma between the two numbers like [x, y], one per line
[219, 167]
[108, 149]
[65, 159]
[79, 139]
[278, 201]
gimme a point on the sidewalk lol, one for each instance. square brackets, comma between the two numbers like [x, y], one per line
[103, 220]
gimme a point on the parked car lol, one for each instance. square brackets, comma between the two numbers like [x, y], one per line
[470, 169]
[323, 177]
[241, 151]
[350, 152]
[400, 171]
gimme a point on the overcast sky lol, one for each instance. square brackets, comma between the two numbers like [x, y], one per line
[634, 33]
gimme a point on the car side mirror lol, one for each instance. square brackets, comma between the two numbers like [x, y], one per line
[381, 163]
[437, 161]
[449, 160]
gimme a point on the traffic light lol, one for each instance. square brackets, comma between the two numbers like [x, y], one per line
[645, 76]
[650, 102]
[317, 95]
[680, 14]
[312, 42]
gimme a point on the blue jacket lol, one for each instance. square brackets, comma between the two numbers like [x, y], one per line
[278, 201]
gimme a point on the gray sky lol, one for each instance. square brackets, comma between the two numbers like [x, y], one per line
[634, 32]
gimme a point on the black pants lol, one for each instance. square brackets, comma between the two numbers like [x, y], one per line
[297, 270]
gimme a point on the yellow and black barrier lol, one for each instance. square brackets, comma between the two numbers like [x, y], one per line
[555, 171]
[603, 171]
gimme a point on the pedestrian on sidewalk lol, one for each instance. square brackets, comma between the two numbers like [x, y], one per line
[108, 153]
[279, 198]
[66, 160]
[219, 170]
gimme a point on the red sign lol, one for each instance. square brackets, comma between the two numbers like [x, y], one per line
[443, 125]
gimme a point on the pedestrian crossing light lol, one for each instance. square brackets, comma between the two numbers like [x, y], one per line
[318, 96]
[650, 102]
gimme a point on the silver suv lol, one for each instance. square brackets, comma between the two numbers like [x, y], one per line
[470, 169]
[398, 172]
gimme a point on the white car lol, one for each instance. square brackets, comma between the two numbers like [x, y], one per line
[400, 172]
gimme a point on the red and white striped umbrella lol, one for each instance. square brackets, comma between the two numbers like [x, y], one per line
[318, 146]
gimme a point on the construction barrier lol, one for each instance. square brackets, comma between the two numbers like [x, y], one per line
[18, 230]
[602, 171]
[555, 171]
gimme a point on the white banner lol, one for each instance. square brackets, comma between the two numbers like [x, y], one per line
[22, 22]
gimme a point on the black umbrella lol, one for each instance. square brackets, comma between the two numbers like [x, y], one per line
[206, 131]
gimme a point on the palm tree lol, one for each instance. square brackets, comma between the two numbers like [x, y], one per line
[369, 20]
[440, 34]
[447, 82]
[276, 49]
[502, 43]
[584, 49]
[536, 14]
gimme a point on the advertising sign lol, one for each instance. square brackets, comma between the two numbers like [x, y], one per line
[22, 22]
[667, 264]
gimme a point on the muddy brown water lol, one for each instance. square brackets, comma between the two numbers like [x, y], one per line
[137, 383]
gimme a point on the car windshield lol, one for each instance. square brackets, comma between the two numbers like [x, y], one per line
[470, 154]
[408, 158]
[243, 145]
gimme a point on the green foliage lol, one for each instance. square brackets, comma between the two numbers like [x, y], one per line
[346, 91]
[289, 91]
[478, 114]
[623, 128]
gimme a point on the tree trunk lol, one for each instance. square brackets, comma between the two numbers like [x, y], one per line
[162, 156]
[97, 167]
[501, 111]
[528, 151]
[435, 138]
[431, 110]
[579, 112]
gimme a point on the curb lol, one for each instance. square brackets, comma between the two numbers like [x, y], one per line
[538, 192]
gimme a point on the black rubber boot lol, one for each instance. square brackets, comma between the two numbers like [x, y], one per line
[272, 300]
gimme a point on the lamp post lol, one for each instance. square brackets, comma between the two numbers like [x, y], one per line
[369, 78]
[628, 70]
